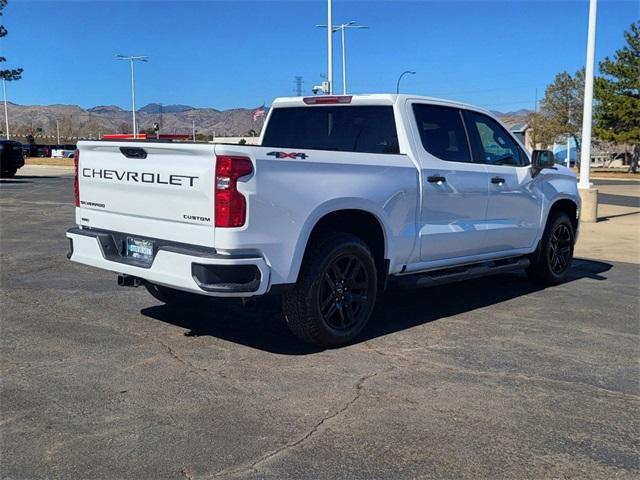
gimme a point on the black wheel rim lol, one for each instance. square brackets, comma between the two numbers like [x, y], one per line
[560, 246]
[344, 292]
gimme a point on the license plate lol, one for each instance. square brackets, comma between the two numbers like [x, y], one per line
[140, 249]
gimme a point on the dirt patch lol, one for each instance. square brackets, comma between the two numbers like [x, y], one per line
[608, 173]
[65, 162]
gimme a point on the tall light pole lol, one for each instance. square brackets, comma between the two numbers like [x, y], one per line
[588, 194]
[342, 27]
[410, 72]
[330, 46]
[6, 110]
[132, 59]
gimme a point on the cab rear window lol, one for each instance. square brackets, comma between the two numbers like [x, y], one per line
[364, 129]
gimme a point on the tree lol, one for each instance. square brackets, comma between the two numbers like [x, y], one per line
[617, 113]
[12, 73]
[560, 110]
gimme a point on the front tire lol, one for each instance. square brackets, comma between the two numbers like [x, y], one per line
[8, 173]
[336, 291]
[551, 262]
[174, 297]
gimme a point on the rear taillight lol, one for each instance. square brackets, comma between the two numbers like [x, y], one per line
[230, 204]
[76, 183]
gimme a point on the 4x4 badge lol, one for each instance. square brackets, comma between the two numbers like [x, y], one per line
[288, 155]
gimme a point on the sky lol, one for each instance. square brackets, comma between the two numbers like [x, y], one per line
[228, 54]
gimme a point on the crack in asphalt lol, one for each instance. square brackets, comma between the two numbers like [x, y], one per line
[513, 375]
[534, 379]
[181, 360]
[254, 466]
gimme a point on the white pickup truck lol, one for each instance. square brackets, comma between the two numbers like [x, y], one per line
[343, 196]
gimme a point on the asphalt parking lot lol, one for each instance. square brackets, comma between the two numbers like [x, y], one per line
[493, 378]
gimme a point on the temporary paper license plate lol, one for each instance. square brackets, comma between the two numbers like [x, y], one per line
[140, 249]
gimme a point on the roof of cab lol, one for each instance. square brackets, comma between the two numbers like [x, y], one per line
[377, 99]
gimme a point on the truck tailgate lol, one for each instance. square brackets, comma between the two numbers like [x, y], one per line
[148, 189]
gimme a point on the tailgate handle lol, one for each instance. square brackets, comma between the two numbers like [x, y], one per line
[133, 152]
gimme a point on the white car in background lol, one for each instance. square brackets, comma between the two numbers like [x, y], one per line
[62, 153]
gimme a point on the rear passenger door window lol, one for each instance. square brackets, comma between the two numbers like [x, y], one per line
[494, 145]
[442, 132]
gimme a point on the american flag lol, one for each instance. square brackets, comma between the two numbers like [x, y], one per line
[259, 113]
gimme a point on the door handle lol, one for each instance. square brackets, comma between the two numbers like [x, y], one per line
[439, 179]
[133, 152]
[497, 180]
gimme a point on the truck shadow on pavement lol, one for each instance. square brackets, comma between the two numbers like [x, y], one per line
[262, 326]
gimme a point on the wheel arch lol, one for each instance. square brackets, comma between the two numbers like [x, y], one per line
[568, 206]
[360, 222]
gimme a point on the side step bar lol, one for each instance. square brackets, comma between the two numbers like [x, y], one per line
[457, 274]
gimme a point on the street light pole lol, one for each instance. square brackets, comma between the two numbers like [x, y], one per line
[330, 46]
[6, 111]
[132, 59]
[400, 78]
[342, 27]
[344, 62]
[58, 130]
[133, 101]
[588, 194]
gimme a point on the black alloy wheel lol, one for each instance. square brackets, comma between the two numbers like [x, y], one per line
[343, 292]
[560, 249]
[551, 261]
[336, 290]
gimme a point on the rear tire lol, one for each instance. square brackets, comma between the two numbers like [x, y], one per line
[551, 261]
[8, 173]
[336, 291]
[174, 297]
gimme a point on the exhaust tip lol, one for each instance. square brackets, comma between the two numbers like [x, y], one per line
[129, 281]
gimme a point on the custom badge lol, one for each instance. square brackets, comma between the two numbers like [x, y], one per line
[288, 155]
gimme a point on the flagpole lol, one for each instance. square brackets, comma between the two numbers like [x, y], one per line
[588, 194]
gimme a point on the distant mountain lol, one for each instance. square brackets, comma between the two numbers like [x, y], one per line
[105, 109]
[158, 107]
[523, 112]
[514, 120]
[75, 122]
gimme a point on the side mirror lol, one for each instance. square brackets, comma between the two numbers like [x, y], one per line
[541, 159]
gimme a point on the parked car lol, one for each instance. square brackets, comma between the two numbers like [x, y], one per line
[343, 196]
[11, 158]
[42, 151]
[62, 152]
